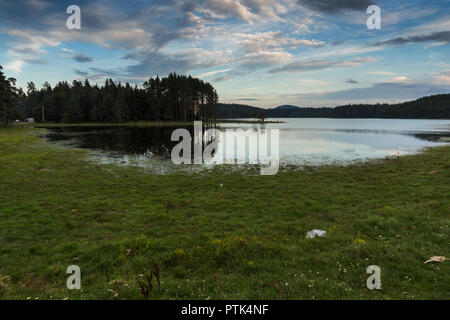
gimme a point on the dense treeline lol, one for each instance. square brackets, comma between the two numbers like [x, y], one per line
[173, 98]
[11, 99]
[235, 111]
[432, 107]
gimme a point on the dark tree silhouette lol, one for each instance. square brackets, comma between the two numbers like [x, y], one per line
[11, 100]
[173, 98]
[432, 107]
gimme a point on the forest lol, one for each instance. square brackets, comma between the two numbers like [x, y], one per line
[172, 98]
[431, 107]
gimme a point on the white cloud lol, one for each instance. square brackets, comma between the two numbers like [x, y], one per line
[39, 4]
[401, 79]
[311, 82]
[441, 78]
[247, 10]
[231, 8]
[381, 73]
[26, 48]
[212, 73]
[15, 65]
[315, 65]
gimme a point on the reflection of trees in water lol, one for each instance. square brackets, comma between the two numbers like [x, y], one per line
[145, 141]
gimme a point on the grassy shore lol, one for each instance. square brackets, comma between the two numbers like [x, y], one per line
[217, 236]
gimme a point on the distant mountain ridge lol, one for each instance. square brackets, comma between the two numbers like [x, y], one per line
[431, 107]
[286, 107]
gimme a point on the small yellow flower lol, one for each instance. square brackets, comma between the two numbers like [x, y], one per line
[359, 241]
[180, 252]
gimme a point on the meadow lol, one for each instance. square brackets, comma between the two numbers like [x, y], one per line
[219, 235]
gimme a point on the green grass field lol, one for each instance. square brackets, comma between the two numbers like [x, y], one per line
[216, 235]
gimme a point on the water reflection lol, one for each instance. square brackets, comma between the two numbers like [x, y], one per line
[302, 141]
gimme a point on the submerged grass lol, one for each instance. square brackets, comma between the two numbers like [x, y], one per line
[219, 236]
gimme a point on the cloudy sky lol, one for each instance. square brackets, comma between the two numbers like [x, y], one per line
[258, 52]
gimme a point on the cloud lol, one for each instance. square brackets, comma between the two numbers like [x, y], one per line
[223, 78]
[381, 73]
[83, 74]
[15, 65]
[263, 59]
[161, 63]
[212, 73]
[341, 51]
[314, 65]
[310, 83]
[248, 99]
[272, 40]
[266, 49]
[335, 6]
[388, 90]
[39, 4]
[26, 48]
[82, 58]
[401, 79]
[155, 44]
[382, 91]
[231, 7]
[107, 72]
[351, 81]
[100, 74]
[441, 78]
[103, 26]
[230, 75]
[443, 36]
[247, 10]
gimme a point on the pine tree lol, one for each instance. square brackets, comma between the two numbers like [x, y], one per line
[119, 108]
[8, 99]
[73, 113]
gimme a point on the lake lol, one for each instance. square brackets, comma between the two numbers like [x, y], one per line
[302, 141]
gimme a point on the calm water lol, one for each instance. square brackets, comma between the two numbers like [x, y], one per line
[302, 141]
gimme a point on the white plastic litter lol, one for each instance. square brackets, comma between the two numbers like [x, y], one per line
[315, 232]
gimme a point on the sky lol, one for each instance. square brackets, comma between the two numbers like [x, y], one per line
[264, 53]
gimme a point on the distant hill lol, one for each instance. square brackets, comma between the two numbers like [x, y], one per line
[287, 107]
[431, 107]
[235, 111]
[296, 112]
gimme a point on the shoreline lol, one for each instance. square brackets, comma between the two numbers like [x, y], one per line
[140, 124]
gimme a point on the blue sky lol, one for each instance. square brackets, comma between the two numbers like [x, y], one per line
[258, 52]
